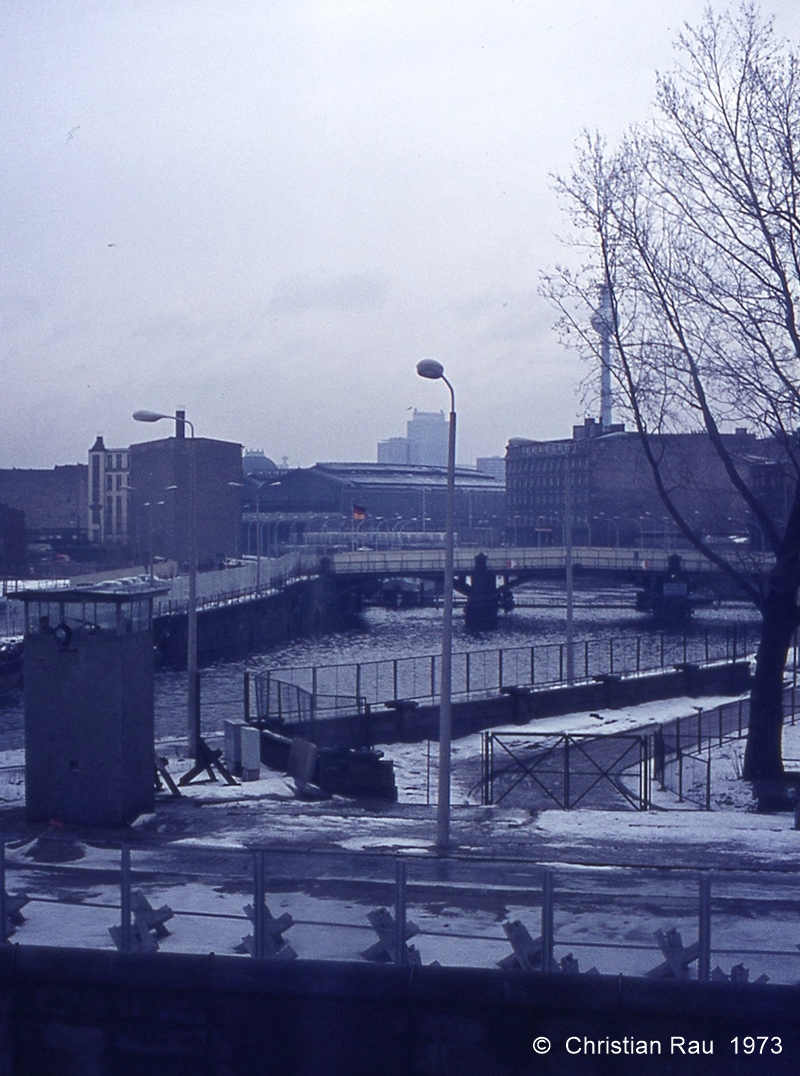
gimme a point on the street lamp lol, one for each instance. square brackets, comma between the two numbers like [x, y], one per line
[192, 693]
[434, 370]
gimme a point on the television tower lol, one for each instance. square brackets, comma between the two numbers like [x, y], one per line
[601, 323]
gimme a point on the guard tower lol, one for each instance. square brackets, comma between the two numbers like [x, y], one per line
[88, 672]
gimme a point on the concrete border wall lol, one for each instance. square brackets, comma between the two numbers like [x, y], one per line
[225, 631]
[105, 1013]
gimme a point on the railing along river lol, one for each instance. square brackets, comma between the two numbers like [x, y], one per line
[319, 691]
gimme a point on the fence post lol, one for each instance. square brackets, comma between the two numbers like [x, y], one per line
[467, 672]
[547, 921]
[611, 654]
[433, 677]
[566, 771]
[484, 769]
[313, 708]
[560, 663]
[400, 911]
[704, 929]
[491, 768]
[125, 897]
[533, 665]
[394, 678]
[708, 782]
[638, 653]
[500, 669]
[258, 905]
[358, 680]
[3, 935]
[644, 773]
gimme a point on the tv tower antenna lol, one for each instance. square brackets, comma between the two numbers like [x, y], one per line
[601, 323]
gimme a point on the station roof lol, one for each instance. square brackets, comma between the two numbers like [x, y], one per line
[405, 475]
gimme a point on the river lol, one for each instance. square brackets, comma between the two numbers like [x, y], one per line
[599, 614]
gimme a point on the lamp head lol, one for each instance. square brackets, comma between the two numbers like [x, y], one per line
[430, 368]
[148, 416]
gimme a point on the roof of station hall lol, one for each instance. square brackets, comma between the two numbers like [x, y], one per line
[405, 475]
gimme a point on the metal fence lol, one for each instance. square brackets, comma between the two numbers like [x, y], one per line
[292, 703]
[567, 770]
[682, 749]
[481, 673]
[606, 771]
[458, 911]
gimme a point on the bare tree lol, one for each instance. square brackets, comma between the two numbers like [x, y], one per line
[693, 226]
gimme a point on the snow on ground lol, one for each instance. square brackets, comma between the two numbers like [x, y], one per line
[618, 875]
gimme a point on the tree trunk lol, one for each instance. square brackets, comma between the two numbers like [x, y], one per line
[763, 754]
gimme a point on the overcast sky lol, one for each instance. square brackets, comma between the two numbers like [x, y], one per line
[267, 212]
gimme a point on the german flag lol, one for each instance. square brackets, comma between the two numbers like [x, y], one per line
[359, 512]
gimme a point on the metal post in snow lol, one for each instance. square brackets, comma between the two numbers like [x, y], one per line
[125, 898]
[258, 904]
[400, 911]
[704, 929]
[547, 920]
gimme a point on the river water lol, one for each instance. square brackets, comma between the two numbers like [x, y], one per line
[540, 618]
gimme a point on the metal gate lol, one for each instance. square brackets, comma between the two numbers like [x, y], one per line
[566, 770]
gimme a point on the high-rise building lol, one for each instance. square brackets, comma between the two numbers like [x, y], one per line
[425, 441]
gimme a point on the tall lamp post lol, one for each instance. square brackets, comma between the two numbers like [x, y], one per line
[192, 693]
[434, 370]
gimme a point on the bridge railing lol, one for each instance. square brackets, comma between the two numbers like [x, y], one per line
[238, 584]
[482, 673]
[518, 559]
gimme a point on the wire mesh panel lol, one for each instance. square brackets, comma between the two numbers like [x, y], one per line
[601, 772]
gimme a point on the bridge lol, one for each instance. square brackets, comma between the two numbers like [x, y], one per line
[668, 583]
[666, 580]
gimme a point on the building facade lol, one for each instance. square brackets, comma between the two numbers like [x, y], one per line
[161, 498]
[372, 496]
[13, 541]
[602, 481]
[55, 503]
[109, 494]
